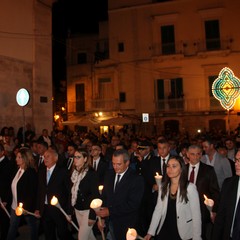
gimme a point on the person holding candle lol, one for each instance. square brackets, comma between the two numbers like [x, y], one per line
[54, 180]
[227, 221]
[205, 179]
[177, 213]
[84, 190]
[24, 190]
[122, 194]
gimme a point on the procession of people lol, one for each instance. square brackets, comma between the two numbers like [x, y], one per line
[170, 186]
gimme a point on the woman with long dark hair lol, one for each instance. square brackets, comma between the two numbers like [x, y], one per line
[177, 213]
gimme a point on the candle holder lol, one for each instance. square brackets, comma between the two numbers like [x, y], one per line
[54, 202]
[132, 234]
[100, 188]
[209, 203]
[4, 208]
[158, 178]
[20, 210]
[96, 205]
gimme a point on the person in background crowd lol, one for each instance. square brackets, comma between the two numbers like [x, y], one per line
[227, 221]
[222, 149]
[98, 163]
[177, 214]
[213, 158]
[45, 137]
[24, 190]
[84, 190]
[71, 149]
[42, 147]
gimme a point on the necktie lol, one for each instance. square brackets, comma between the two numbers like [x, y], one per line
[191, 179]
[69, 164]
[164, 167]
[95, 166]
[117, 182]
[236, 225]
[40, 160]
[48, 175]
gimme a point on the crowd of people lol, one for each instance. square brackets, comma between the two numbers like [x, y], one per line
[160, 186]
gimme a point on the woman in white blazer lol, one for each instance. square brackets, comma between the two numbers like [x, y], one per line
[177, 213]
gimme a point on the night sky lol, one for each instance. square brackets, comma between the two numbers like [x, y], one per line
[71, 17]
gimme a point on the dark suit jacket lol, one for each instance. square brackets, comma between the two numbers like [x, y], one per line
[59, 186]
[87, 191]
[6, 176]
[207, 184]
[27, 189]
[124, 203]
[227, 202]
[102, 169]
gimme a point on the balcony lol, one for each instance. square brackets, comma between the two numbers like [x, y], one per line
[191, 48]
[188, 105]
[94, 105]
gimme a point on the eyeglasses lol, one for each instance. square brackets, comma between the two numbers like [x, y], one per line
[77, 157]
[237, 160]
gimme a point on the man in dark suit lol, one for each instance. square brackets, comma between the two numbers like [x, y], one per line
[6, 176]
[98, 163]
[53, 181]
[41, 149]
[205, 179]
[122, 194]
[227, 225]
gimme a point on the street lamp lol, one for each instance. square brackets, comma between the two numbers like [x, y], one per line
[22, 99]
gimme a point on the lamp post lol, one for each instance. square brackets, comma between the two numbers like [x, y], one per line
[22, 99]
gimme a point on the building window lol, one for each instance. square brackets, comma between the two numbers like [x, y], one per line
[168, 39]
[121, 47]
[80, 97]
[212, 34]
[81, 58]
[122, 97]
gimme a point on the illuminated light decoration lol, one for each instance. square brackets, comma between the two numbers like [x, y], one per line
[226, 88]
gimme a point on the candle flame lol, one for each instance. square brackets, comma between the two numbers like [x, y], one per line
[20, 205]
[157, 174]
[100, 187]
[54, 201]
[205, 197]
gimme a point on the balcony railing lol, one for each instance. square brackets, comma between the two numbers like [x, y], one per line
[95, 105]
[189, 48]
[188, 105]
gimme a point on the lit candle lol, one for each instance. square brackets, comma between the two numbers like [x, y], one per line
[96, 204]
[19, 210]
[132, 234]
[208, 202]
[100, 188]
[158, 178]
[54, 202]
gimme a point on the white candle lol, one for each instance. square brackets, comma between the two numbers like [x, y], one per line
[158, 178]
[208, 202]
[100, 188]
